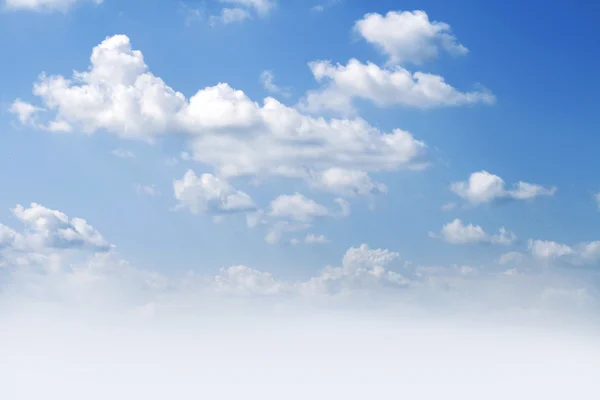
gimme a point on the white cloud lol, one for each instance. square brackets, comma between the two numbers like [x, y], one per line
[544, 249]
[408, 36]
[456, 232]
[262, 7]
[484, 187]
[278, 229]
[230, 16]
[581, 254]
[346, 182]
[147, 190]
[267, 78]
[597, 198]
[344, 206]
[242, 280]
[210, 194]
[511, 257]
[384, 87]
[25, 112]
[297, 208]
[226, 130]
[45, 5]
[311, 238]
[122, 153]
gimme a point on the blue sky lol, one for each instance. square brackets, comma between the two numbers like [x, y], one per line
[538, 125]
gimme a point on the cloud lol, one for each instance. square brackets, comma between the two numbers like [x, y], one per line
[210, 194]
[597, 198]
[384, 87]
[512, 257]
[484, 187]
[44, 5]
[94, 276]
[456, 232]
[147, 190]
[346, 182]
[122, 153]
[581, 254]
[324, 5]
[225, 129]
[243, 10]
[408, 36]
[262, 7]
[297, 208]
[46, 228]
[230, 16]
[267, 78]
[311, 238]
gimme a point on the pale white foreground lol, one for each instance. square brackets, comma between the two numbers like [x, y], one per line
[48, 356]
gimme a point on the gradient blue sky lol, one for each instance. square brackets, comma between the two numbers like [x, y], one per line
[537, 58]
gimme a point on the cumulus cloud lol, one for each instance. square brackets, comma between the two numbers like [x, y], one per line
[484, 187]
[210, 194]
[44, 5]
[581, 254]
[47, 228]
[408, 36]
[226, 130]
[384, 87]
[297, 207]
[346, 182]
[456, 232]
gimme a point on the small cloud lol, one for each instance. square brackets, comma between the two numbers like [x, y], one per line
[122, 153]
[267, 78]
[147, 190]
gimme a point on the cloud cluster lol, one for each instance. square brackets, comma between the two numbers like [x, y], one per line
[484, 187]
[225, 129]
[456, 232]
[60, 259]
[405, 37]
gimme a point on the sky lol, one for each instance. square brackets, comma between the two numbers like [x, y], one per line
[302, 147]
[324, 198]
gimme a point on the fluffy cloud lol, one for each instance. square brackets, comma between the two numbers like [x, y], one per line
[297, 207]
[226, 130]
[346, 182]
[456, 232]
[47, 228]
[408, 36]
[384, 87]
[210, 194]
[484, 187]
[93, 276]
[45, 5]
[242, 280]
[587, 253]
